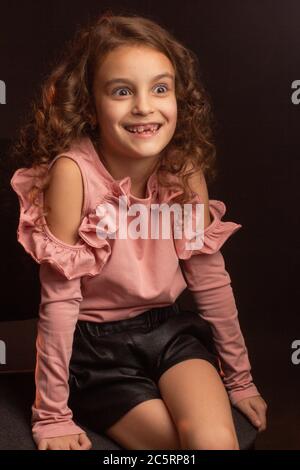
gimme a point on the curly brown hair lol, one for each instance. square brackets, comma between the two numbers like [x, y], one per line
[65, 109]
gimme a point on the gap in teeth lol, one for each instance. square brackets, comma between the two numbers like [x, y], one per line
[141, 130]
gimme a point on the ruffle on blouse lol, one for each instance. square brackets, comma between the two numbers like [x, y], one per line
[118, 197]
[209, 240]
[123, 188]
[86, 258]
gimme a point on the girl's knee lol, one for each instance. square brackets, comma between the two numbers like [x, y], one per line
[146, 426]
[209, 439]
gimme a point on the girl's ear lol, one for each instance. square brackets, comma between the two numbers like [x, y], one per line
[93, 120]
[92, 116]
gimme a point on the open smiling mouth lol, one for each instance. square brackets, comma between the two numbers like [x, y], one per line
[148, 132]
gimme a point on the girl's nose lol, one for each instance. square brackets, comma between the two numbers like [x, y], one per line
[142, 104]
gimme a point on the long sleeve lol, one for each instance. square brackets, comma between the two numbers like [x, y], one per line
[58, 314]
[61, 268]
[210, 285]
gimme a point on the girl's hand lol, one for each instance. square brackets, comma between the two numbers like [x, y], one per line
[255, 409]
[69, 442]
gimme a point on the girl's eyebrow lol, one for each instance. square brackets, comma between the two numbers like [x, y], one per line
[126, 80]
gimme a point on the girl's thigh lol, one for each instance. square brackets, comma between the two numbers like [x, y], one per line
[199, 405]
[147, 425]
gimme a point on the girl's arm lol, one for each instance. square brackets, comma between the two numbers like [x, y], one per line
[58, 314]
[210, 285]
[63, 261]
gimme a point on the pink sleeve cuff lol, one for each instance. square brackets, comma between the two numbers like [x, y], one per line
[42, 431]
[237, 395]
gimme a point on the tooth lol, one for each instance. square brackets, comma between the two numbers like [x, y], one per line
[141, 129]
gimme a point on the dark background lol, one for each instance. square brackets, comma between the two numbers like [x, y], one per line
[249, 54]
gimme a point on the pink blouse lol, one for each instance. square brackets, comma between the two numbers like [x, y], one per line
[108, 279]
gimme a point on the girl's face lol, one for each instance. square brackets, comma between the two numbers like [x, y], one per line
[135, 85]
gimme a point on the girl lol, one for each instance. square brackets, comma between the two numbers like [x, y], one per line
[124, 122]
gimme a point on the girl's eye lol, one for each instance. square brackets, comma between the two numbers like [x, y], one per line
[162, 86]
[118, 89]
[115, 91]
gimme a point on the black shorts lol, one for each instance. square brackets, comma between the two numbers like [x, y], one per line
[116, 365]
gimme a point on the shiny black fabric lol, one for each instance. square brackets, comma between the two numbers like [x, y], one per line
[116, 365]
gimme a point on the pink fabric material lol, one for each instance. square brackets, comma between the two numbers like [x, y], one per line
[210, 285]
[109, 279]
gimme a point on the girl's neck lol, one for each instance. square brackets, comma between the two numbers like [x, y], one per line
[138, 170]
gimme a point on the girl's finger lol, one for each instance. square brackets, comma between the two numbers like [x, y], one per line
[84, 441]
[253, 416]
[261, 413]
[74, 445]
[42, 445]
